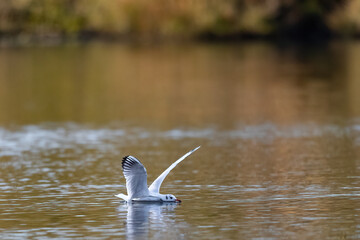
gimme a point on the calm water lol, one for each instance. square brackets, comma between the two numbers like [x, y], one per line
[279, 130]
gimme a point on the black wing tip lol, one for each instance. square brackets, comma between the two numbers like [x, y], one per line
[127, 162]
[124, 160]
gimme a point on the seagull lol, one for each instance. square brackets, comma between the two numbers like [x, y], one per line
[136, 183]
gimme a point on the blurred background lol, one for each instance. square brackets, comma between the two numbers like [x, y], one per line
[270, 89]
[143, 20]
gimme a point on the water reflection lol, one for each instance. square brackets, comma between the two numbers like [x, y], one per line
[143, 218]
[171, 86]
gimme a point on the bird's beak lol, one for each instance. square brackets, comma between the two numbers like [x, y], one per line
[178, 200]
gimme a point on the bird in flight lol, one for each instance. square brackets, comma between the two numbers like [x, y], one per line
[136, 181]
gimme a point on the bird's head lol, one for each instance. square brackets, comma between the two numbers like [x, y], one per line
[169, 198]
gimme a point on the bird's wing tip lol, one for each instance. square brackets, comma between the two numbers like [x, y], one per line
[128, 161]
[196, 148]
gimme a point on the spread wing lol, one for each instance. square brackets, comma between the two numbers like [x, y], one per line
[135, 175]
[155, 186]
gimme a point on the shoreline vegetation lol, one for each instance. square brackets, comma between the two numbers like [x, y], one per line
[24, 21]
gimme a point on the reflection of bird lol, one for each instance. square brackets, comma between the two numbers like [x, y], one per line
[136, 183]
[141, 215]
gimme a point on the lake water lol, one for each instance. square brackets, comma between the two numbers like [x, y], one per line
[279, 129]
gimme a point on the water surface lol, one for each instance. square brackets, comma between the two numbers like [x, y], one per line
[279, 130]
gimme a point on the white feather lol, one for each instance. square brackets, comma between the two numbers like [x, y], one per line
[136, 178]
[155, 186]
[122, 196]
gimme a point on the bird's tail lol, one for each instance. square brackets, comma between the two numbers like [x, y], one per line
[122, 196]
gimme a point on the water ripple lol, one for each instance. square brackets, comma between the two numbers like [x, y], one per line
[42, 138]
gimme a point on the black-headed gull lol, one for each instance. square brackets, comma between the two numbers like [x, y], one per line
[136, 181]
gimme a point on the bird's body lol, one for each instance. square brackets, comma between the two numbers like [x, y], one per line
[136, 182]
